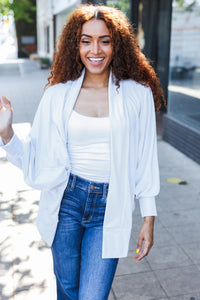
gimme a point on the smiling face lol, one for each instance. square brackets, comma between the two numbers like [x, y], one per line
[95, 47]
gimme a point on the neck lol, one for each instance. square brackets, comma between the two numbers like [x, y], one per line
[96, 80]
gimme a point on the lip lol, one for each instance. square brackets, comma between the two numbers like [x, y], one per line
[97, 62]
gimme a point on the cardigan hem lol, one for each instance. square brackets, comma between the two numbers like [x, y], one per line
[115, 242]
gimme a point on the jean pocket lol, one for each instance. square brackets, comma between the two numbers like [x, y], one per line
[69, 187]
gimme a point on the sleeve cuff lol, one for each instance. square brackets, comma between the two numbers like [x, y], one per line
[13, 147]
[148, 206]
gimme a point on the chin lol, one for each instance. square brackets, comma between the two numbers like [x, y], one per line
[97, 71]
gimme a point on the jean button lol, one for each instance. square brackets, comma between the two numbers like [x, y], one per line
[92, 187]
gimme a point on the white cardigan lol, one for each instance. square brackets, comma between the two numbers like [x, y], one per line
[44, 159]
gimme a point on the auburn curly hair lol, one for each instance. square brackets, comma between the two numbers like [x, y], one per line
[128, 60]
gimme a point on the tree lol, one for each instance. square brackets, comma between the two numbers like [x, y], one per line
[186, 5]
[123, 5]
[22, 9]
[25, 21]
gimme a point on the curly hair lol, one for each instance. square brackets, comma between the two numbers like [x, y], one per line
[128, 61]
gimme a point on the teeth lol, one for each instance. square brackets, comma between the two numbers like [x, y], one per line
[96, 59]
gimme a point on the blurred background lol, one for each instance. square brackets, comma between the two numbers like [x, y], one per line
[168, 32]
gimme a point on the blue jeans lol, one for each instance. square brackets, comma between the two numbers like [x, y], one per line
[81, 272]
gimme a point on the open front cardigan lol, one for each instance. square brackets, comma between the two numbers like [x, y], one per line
[134, 172]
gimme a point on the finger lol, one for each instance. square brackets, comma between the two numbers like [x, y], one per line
[1, 105]
[6, 101]
[142, 254]
[139, 244]
[139, 248]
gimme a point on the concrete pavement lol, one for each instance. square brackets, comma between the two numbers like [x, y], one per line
[170, 271]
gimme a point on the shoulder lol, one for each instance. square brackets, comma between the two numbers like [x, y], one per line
[136, 94]
[58, 88]
[135, 89]
[55, 93]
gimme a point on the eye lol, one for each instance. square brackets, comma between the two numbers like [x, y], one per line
[85, 42]
[106, 42]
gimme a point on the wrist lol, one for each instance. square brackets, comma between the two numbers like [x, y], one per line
[149, 220]
[7, 136]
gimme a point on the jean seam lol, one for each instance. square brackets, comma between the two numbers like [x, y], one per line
[85, 205]
[85, 220]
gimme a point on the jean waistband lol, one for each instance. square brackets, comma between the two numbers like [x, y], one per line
[87, 184]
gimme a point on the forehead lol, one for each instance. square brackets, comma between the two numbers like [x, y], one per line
[95, 28]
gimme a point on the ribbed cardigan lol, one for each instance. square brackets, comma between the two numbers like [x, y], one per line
[134, 172]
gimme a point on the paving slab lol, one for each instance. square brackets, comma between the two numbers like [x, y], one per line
[192, 296]
[142, 286]
[111, 296]
[181, 217]
[177, 197]
[128, 265]
[183, 234]
[162, 236]
[168, 257]
[192, 250]
[179, 281]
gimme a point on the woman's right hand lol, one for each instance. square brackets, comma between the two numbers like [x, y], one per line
[6, 116]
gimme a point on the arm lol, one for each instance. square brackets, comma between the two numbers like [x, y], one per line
[147, 175]
[6, 115]
[42, 156]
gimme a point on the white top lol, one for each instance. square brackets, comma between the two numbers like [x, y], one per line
[134, 173]
[88, 146]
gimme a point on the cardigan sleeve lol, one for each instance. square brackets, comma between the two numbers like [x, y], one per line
[14, 150]
[147, 171]
[37, 155]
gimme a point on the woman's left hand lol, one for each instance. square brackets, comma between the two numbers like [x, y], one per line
[145, 237]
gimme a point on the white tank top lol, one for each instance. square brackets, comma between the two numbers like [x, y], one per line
[88, 147]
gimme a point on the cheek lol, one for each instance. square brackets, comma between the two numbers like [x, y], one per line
[110, 53]
[81, 52]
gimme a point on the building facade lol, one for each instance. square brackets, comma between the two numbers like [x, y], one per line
[181, 124]
[51, 16]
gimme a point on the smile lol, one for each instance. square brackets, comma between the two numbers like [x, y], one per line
[94, 59]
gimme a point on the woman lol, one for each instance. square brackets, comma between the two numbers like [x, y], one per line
[92, 150]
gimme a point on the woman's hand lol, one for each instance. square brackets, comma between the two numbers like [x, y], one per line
[146, 237]
[6, 115]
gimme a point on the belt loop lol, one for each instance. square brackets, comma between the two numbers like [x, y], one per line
[73, 182]
[104, 190]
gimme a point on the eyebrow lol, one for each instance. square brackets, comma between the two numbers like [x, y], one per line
[101, 36]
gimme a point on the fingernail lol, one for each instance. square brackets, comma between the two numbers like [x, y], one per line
[136, 261]
[134, 257]
[137, 251]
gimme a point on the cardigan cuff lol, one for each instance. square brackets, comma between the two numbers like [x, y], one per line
[148, 206]
[13, 147]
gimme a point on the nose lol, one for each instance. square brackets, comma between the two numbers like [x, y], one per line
[95, 47]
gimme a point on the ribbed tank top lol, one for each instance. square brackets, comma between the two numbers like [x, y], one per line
[88, 146]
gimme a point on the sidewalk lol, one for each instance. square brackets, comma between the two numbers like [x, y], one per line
[171, 270]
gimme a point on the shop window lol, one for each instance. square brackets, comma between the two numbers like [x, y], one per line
[184, 81]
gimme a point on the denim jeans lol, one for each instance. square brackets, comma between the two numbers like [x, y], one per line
[81, 272]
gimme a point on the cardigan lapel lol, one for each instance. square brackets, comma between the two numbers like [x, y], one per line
[119, 155]
[70, 99]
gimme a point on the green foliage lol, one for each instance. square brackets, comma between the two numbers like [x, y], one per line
[45, 61]
[4, 7]
[123, 5]
[22, 9]
[186, 5]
